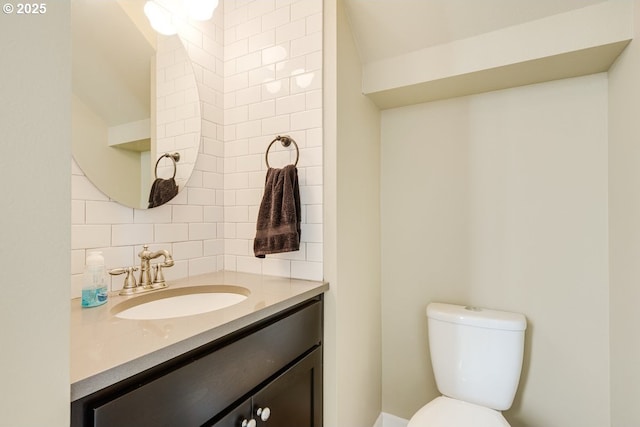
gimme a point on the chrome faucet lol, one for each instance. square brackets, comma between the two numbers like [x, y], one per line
[151, 276]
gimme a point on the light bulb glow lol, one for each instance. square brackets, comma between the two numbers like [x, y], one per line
[200, 10]
[159, 18]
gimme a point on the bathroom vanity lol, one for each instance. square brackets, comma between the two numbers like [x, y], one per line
[256, 363]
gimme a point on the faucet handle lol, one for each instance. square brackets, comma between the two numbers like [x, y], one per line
[129, 280]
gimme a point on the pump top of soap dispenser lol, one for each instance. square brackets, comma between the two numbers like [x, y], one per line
[95, 258]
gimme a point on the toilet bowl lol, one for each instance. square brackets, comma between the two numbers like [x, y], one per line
[476, 355]
[446, 412]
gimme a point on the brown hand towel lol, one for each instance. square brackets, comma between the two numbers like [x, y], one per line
[162, 190]
[278, 226]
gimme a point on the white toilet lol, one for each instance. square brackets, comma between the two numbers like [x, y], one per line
[476, 356]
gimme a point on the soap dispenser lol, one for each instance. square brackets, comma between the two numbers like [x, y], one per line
[94, 281]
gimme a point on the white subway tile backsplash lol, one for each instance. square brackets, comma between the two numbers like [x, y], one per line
[78, 257]
[161, 214]
[276, 267]
[187, 250]
[314, 23]
[170, 233]
[249, 95]
[262, 75]
[120, 256]
[97, 212]
[236, 180]
[313, 175]
[213, 247]
[90, 236]
[306, 119]
[188, 213]
[248, 264]
[310, 157]
[245, 30]
[258, 65]
[202, 231]
[277, 125]
[291, 104]
[303, 9]
[260, 8]
[132, 234]
[262, 110]
[293, 30]
[311, 233]
[306, 44]
[201, 196]
[277, 18]
[77, 212]
[249, 129]
[275, 88]
[314, 252]
[236, 115]
[213, 214]
[237, 246]
[236, 49]
[306, 270]
[249, 61]
[249, 163]
[246, 230]
[313, 214]
[262, 40]
[311, 194]
[203, 265]
[236, 213]
[236, 82]
[314, 99]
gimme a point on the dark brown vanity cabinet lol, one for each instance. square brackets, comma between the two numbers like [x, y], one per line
[267, 374]
[294, 399]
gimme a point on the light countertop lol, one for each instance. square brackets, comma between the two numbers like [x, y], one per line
[106, 349]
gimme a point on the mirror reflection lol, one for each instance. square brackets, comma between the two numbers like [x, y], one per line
[135, 110]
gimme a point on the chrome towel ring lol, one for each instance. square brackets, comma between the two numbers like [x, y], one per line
[286, 141]
[175, 157]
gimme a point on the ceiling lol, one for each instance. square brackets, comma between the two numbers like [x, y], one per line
[388, 28]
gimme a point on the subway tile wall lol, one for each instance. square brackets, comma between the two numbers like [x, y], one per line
[273, 86]
[258, 69]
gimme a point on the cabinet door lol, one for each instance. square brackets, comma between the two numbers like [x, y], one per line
[236, 417]
[294, 399]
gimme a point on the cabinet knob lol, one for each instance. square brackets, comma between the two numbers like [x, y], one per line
[264, 413]
[249, 423]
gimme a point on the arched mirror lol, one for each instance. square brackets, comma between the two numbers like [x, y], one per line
[136, 121]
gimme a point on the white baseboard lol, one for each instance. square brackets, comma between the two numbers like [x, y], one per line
[388, 420]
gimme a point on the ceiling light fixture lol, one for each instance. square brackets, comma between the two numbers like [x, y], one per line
[200, 10]
[165, 14]
[159, 18]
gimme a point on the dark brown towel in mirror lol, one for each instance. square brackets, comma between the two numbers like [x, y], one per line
[162, 190]
[278, 225]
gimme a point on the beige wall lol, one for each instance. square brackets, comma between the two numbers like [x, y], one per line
[90, 146]
[624, 229]
[500, 200]
[352, 234]
[35, 124]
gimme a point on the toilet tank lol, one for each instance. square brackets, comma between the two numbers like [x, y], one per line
[476, 353]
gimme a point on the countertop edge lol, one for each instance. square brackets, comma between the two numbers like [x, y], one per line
[85, 387]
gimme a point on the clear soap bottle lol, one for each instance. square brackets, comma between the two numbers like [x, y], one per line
[94, 281]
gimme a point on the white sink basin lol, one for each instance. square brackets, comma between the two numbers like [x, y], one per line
[180, 302]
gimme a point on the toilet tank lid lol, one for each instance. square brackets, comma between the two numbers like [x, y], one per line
[477, 316]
